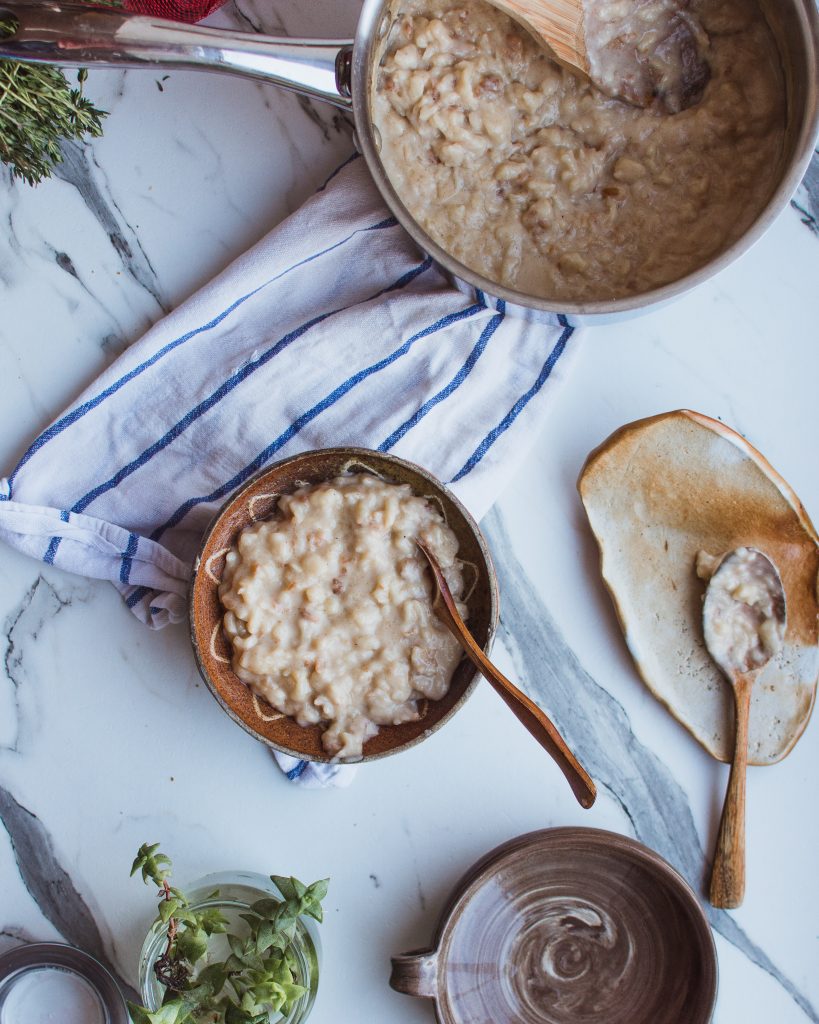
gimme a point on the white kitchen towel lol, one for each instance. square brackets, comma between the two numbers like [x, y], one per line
[333, 330]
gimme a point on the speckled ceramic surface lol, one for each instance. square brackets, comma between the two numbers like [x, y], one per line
[568, 926]
[657, 492]
[257, 500]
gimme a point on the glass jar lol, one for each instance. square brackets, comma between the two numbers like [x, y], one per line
[237, 891]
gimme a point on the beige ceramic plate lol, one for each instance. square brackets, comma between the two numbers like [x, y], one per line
[257, 500]
[657, 492]
[568, 926]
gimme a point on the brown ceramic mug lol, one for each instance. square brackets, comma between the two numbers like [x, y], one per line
[568, 925]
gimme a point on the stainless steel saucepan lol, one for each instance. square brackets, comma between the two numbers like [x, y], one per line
[343, 72]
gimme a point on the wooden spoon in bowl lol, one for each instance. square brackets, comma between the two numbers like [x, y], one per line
[670, 75]
[743, 618]
[527, 712]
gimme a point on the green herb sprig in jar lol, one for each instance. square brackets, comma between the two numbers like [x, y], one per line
[256, 982]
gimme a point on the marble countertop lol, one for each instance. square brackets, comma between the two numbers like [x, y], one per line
[107, 736]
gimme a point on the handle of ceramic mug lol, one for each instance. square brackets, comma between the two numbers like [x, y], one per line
[416, 974]
[72, 35]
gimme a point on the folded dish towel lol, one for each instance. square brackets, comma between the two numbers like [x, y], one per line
[333, 330]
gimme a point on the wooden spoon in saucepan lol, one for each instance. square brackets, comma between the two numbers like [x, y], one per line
[526, 710]
[743, 618]
[671, 74]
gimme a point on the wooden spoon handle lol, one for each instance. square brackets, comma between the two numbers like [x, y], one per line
[728, 870]
[527, 712]
[559, 23]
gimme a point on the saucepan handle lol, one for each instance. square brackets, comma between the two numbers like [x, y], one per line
[416, 974]
[74, 35]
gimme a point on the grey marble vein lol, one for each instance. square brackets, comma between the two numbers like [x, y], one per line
[598, 728]
[419, 885]
[806, 201]
[12, 936]
[326, 118]
[39, 605]
[49, 884]
[76, 169]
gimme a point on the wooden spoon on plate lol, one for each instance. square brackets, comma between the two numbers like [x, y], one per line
[527, 712]
[743, 617]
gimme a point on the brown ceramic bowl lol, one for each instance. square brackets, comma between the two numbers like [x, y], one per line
[568, 926]
[257, 500]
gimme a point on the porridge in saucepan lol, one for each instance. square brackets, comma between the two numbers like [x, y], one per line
[329, 608]
[541, 182]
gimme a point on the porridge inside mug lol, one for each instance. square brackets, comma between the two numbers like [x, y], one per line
[542, 182]
[328, 608]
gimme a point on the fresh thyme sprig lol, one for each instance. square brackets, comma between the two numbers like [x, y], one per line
[38, 110]
[256, 979]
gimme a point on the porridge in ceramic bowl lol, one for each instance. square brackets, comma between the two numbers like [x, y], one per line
[328, 608]
[543, 183]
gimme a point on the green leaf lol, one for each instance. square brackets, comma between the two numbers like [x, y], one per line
[236, 1015]
[285, 886]
[192, 944]
[318, 890]
[142, 855]
[266, 907]
[155, 867]
[167, 908]
[213, 978]
[139, 1015]
[176, 1012]
[212, 920]
[265, 937]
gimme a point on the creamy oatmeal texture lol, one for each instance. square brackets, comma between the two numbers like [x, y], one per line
[746, 621]
[328, 608]
[540, 181]
[651, 52]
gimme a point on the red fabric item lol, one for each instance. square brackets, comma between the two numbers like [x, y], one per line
[179, 10]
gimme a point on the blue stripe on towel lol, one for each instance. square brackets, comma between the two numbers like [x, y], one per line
[518, 407]
[302, 421]
[54, 543]
[296, 771]
[226, 387]
[127, 558]
[66, 421]
[452, 386]
[51, 550]
[137, 596]
[338, 170]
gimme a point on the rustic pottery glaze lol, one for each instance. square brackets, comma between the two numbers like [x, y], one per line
[257, 500]
[568, 926]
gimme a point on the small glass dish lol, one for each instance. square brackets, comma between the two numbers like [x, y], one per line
[233, 893]
[51, 981]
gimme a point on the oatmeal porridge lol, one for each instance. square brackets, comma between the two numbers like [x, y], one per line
[538, 180]
[746, 623]
[328, 608]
